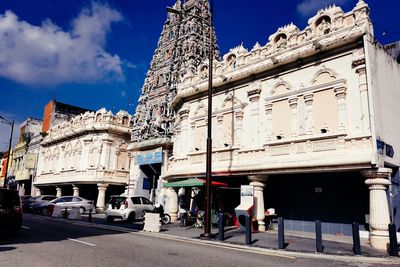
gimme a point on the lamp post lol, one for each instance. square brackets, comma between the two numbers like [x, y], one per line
[207, 228]
[9, 147]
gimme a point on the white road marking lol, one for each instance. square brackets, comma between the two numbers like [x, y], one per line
[82, 242]
[25, 227]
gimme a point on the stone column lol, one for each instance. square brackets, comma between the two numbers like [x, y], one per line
[84, 162]
[363, 88]
[106, 153]
[76, 190]
[237, 140]
[293, 112]
[59, 191]
[308, 99]
[254, 95]
[184, 148]
[340, 93]
[192, 139]
[38, 192]
[101, 198]
[172, 204]
[219, 140]
[61, 160]
[130, 188]
[268, 112]
[258, 182]
[379, 218]
[177, 143]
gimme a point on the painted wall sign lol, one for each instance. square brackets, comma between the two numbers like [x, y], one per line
[380, 146]
[31, 161]
[149, 157]
[389, 151]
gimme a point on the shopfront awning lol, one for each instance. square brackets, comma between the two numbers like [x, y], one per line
[193, 182]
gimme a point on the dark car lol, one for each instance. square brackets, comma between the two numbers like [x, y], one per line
[10, 212]
[25, 202]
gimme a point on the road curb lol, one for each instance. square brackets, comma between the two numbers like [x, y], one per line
[227, 245]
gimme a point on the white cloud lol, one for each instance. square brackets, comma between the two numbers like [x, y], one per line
[130, 65]
[310, 7]
[48, 55]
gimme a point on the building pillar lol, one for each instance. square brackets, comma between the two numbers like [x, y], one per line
[192, 139]
[106, 154]
[61, 160]
[130, 188]
[237, 141]
[258, 183]
[363, 88]
[184, 115]
[172, 204]
[220, 132]
[308, 99]
[268, 113]
[340, 93]
[59, 192]
[84, 161]
[379, 218]
[254, 95]
[38, 192]
[76, 190]
[101, 198]
[293, 112]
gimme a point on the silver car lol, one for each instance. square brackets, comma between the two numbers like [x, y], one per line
[68, 202]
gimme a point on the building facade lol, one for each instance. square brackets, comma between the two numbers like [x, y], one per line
[304, 120]
[25, 155]
[86, 156]
[4, 162]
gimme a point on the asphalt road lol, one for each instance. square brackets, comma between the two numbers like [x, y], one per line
[52, 243]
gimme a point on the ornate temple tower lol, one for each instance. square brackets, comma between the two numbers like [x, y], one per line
[182, 47]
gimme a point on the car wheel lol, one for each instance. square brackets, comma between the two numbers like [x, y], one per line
[43, 211]
[166, 219]
[110, 219]
[82, 210]
[131, 216]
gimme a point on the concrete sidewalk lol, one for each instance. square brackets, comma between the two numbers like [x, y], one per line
[296, 241]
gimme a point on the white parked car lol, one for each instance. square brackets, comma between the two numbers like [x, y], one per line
[127, 208]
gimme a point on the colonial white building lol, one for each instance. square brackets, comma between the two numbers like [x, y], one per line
[310, 119]
[86, 156]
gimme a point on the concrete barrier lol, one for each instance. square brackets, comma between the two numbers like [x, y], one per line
[57, 211]
[74, 213]
[152, 222]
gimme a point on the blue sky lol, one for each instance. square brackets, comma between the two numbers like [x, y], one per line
[95, 54]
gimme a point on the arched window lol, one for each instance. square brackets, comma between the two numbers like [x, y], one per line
[125, 120]
[323, 25]
[98, 117]
[281, 41]
[231, 61]
[67, 156]
[77, 155]
[94, 155]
